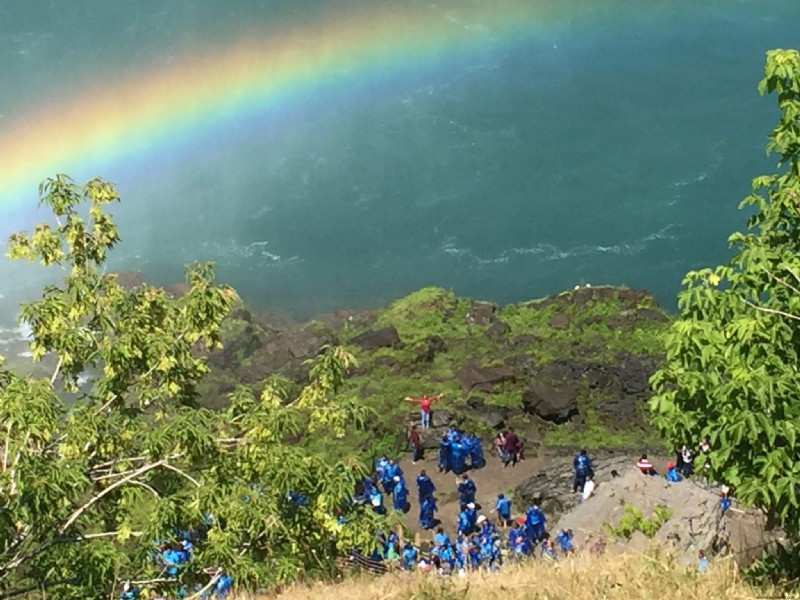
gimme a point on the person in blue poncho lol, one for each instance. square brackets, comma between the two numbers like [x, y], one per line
[564, 539]
[440, 538]
[672, 472]
[427, 508]
[458, 457]
[376, 500]
[474, 555]
[503, 508]
[400, 494]
[485, 527]
[521, 546]
[425, 486]
[381, 464]
[172, 557]
[475, 451]
[725, 499]
[472, 516]
[582, 467]
[466, 490]
[129, 592]
[464, 523]
[391, 471]
[410, 555]
[453, 434]
[535, 523]
[445, 454]
[222, 586]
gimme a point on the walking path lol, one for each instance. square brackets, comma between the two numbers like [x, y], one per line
[490, 481]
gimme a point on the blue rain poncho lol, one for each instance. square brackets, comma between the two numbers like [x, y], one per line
[445, 455]
[400, 495]
[564, 539]
[503, 507]
[466, 491]
[475, 451]
[458, 457]
[410, 554]
[427, 508]
[425, 487]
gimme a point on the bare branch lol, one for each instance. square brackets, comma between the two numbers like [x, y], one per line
[208, 586]
[772, 311]
[779, 280]
[179, 472]
[56, 371]
[147, 487]
[77, 513]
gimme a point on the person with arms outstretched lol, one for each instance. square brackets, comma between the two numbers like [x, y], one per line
[425, 403]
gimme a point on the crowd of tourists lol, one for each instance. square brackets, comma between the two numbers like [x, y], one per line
[478, 541]
[481, 542]
[174, 554]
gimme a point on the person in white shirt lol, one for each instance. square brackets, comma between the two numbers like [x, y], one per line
[588, 488]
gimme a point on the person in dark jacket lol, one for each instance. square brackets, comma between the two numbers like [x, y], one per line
[513, 447]
[444, 454]
[416, 444]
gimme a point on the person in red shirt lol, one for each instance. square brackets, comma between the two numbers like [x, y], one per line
[425, 403]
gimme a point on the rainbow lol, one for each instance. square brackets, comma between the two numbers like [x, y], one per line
[164, 111]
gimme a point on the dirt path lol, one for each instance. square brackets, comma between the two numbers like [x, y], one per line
[489, 481]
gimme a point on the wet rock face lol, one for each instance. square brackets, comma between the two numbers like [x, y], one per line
[386, 337]
[551, 402]
[475, 378]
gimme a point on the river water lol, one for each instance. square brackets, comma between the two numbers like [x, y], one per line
[610, 143]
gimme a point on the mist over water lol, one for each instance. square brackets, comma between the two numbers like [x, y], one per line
[611, 145]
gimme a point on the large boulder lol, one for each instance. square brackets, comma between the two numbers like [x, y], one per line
[494, 417]
[475, 378]
[634, 376]
[480, 313]
[553, 402]
[551, 487]
[696, 521]
[386, 337]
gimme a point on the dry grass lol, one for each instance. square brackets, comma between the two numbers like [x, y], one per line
[629, 576]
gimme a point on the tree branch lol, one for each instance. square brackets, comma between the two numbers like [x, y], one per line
[56, 371]
[33, 588]
[772, 310]
[207, 587]
[779, 280]
[166, 465]
[140, 471]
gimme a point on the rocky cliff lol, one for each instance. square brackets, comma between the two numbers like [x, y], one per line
[571, 369]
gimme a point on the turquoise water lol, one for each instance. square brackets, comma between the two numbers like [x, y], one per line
[611, 146]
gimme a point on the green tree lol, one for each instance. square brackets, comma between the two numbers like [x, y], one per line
[731, 370]
[88, 485]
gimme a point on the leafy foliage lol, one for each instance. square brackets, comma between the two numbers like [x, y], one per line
[634, 520]
[88, 486]
[732, 357]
